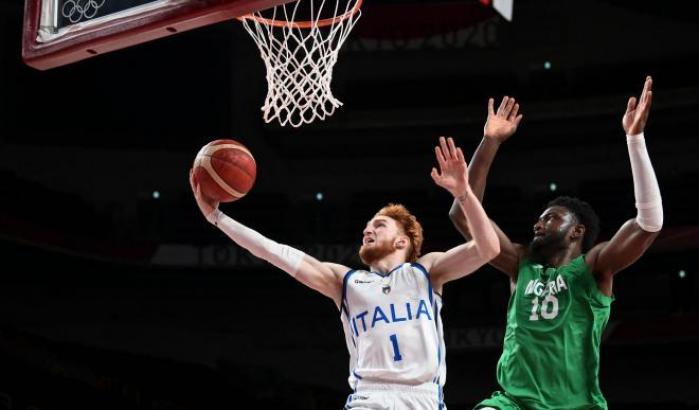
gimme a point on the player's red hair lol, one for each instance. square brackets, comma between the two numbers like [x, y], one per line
[411, 227]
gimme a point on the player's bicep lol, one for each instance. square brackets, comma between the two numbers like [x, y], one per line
[323, 277]
[628, 244]
[455, 263]
[507, 260]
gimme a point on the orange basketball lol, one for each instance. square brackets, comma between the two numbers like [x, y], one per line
[225, 170]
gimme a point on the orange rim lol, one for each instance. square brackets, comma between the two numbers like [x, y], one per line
[307, 23]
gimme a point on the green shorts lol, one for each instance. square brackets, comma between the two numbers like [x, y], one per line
[501, 401]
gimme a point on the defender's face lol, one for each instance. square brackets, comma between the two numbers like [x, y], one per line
[552, 226]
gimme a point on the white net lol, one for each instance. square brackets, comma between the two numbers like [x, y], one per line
[299, 56]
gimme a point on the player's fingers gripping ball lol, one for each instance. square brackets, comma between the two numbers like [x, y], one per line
[225, 170]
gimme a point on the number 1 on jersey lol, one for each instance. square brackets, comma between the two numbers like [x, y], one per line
[396, 351]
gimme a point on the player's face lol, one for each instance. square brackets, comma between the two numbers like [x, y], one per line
[552, 228]
[378, 239]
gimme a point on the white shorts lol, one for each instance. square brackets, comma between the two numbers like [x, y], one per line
[396, 397]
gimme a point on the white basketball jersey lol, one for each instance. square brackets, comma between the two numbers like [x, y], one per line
[393, 327]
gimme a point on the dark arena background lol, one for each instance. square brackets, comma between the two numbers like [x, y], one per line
[116, 294]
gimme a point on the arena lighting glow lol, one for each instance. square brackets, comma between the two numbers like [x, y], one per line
[553, 187]
[547, 65]
[319, 196]
[156, 194]
[682, 274]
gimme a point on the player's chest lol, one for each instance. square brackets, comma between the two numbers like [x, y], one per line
[399, 287]
[546, 296]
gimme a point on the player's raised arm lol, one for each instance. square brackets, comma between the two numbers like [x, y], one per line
[498, 128]
[637, 234]
[324, 277]
[484, 246]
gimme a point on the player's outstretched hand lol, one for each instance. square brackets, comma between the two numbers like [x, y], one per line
[634, 120]
[207, 206]
[502, 124]
[453, 171]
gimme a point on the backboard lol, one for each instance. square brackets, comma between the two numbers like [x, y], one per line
[60, 32]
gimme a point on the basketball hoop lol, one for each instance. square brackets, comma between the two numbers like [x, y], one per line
[299, 43]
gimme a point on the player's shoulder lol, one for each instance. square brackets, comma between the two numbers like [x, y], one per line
[592, 257]
[418, 266]
[414, 269]
[520, 249]
[426, 261]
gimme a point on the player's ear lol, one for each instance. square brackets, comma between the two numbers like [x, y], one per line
[402, 242]
[578, 232]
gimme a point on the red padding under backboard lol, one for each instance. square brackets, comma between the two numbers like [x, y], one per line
[117, 33]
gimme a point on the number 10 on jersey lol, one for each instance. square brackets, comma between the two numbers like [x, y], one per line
[548, 308]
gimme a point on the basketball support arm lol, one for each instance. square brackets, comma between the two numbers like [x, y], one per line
[645, 185]
[282, 256]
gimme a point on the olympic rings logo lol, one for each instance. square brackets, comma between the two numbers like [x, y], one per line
[76, 10]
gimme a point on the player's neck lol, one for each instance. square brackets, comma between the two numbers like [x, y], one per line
[388, 263]
[561, 257]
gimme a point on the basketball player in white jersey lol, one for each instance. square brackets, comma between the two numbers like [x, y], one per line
[391, 311]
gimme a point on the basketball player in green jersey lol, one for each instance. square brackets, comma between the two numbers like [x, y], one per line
[561, 283]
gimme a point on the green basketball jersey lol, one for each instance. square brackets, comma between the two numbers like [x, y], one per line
[555, 320]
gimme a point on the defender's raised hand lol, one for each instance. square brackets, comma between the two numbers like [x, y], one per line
[502, 124]
[453, 171]
[636, 115]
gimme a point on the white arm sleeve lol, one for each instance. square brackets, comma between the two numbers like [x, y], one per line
[283, 257]
[645, 185]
